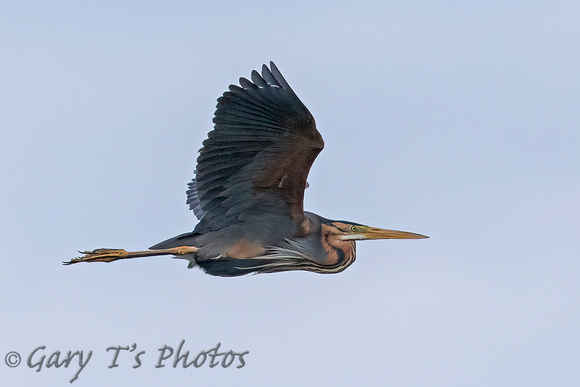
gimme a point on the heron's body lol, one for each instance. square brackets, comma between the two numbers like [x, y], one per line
[237, 250]
[248, 191]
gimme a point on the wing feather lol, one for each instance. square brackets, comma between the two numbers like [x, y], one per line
[257, 157]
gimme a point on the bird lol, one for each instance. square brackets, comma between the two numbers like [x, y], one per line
[248, 192]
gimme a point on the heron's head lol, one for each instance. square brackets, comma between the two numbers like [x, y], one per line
[355, 231]
[337, 239]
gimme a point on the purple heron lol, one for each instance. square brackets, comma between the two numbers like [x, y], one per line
[248, 192]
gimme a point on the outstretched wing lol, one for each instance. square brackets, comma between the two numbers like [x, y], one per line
[257, 157]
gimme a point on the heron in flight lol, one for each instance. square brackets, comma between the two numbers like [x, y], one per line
[248, 192]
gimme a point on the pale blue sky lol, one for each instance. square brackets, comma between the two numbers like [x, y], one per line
[455, 120]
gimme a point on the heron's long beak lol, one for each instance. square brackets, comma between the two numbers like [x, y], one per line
[380, 233]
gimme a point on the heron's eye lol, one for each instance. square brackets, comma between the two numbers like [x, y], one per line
[353, 228]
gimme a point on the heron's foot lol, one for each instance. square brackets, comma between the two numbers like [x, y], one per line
[110, 255]
[99, 255]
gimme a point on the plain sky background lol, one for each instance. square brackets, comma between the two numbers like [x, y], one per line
[455, 119]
